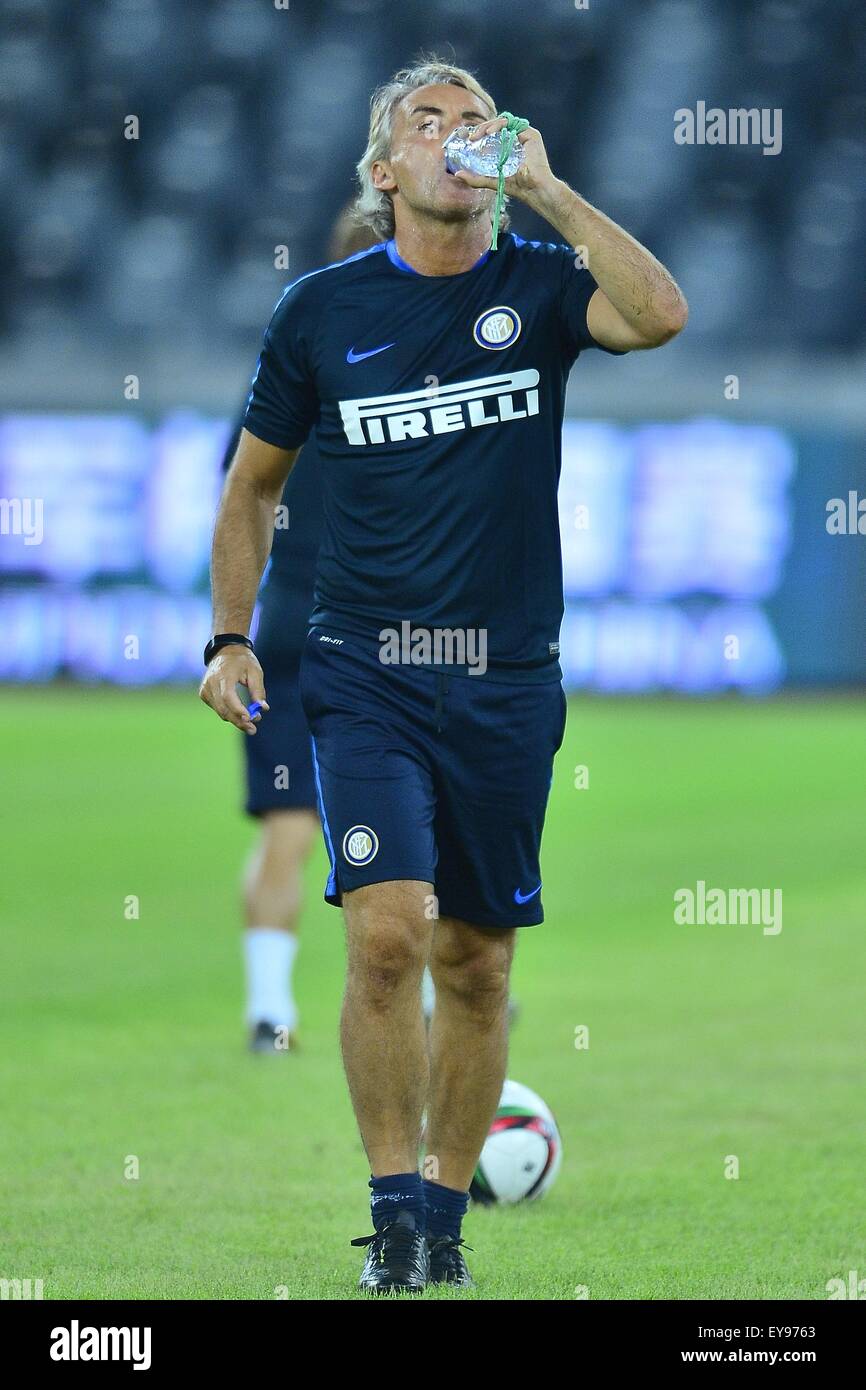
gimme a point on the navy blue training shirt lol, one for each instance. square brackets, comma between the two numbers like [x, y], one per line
[436, 403]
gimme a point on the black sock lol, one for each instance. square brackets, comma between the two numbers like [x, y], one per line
[446, 1209]
[394, 1194]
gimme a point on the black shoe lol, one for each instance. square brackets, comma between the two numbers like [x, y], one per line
[270, 1037]
[447, 1265]
[397, 1259]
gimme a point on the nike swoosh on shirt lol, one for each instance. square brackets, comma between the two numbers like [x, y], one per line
[524, 897]
[353, 356]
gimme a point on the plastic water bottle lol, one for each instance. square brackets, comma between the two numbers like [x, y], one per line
[479, 156]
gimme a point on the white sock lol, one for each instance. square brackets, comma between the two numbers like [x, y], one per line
[270, 955]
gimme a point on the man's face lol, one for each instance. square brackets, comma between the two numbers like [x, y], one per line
[414, 173]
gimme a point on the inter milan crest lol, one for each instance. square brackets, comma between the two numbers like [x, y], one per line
[497, 328]
[360, 845]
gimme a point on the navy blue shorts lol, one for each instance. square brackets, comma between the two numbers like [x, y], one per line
[278, 757]
[423, 774]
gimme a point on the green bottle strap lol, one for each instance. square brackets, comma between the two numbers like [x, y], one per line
[514, 125]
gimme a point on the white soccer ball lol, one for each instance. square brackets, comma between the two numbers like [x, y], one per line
[523, 1150]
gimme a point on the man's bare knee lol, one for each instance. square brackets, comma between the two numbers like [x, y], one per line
[472, 965]
[388, 940]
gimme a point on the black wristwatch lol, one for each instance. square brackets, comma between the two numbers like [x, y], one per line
[225, 639]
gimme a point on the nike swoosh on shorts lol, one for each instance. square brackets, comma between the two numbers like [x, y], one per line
[524, 897]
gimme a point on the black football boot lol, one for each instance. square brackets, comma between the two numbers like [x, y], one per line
[397, 1259]
[447, 1265]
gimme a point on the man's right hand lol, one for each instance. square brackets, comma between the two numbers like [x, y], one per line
[233, 666]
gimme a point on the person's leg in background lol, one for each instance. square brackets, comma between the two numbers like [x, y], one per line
[272, 893]
[281, 797]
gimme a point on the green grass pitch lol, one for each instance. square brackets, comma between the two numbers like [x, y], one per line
[124, 1037]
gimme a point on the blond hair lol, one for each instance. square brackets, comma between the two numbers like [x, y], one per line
[373, 207]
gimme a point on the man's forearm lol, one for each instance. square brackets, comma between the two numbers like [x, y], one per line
[637, 285]
[241, 545]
